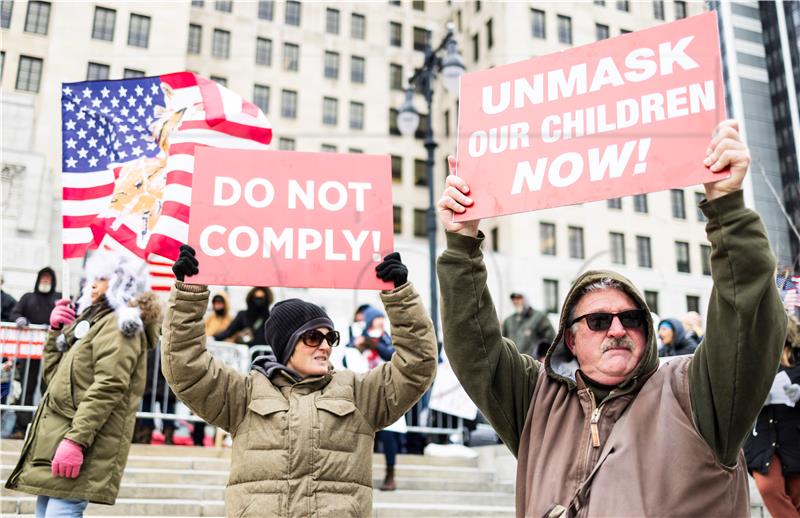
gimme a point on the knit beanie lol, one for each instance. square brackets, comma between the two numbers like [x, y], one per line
[288, 320]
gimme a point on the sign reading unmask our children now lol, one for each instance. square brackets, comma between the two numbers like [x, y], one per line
[629, 115]
[282, 218]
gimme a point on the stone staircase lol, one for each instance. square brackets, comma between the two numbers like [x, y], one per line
[187, 481]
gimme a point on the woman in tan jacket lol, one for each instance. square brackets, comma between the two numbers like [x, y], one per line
[303, 433]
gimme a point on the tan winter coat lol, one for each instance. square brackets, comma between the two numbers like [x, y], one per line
[299, 448]
[93, 393]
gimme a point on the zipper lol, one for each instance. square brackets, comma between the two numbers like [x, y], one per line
[593, 423]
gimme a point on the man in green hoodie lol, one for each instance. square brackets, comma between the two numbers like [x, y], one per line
[598, 428]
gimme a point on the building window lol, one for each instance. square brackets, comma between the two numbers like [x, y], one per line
[396, 76]
[693, 303]
[195, 39]
[97, 72]
[286, 144]
[225, 6]
[397, 169]
[328, 148]
[289, 104]
[332, 21]
[477, 5]
[623, 5]
[538, 24]
[489, 34]
[222, 81]
[393, 129]
[2, 62]
[418, 5]
[130, 73]
[575, 235]
[395, 34]
[564, 29]
[198, 3]
[29, 74]
[355, 150]
[550, 287]
[644, 256]
[495, 233]
[547, 239]
[357, 66]
[292, 15]
[658, 9]
[458, 20]
[601, 3]
[356, 115]
[263, 52]
[139, 31]
[682, 256]
[331, 65]
[6, 7]
[358, 26]
[640, 203]
[678, 207]
[651, 299]
[617, 247]
[446, 125]
[601, 31]
[614, 203]
[421, 38]
[423, 126]
[397, 217]
[266, 8]
[420, 224]
[103, 25]
[330, 111]
[38, 17]
[680, 9]
[221, 44]
[291, 57]
[261, 97]
[476, 48]
[698, 198]
[705, 259]
[624, 31]
[420, 173]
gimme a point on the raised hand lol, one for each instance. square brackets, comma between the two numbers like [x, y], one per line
[392, 269]
[454, 200]
[186, 265]
[726, 152]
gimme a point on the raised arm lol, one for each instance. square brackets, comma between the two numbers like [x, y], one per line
[732, 370]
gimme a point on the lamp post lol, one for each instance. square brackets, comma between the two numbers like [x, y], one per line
[451, 67]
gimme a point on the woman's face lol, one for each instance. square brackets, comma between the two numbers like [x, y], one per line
[99, 287]
[307, 360]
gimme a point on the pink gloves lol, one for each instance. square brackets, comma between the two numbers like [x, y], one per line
[67, 460]
[62, 314]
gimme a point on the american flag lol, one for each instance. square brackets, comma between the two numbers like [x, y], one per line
[128, 157]
[788, 286]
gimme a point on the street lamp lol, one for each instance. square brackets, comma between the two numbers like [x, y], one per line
[451, 68]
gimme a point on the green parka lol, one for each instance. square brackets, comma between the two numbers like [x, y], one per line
[299, 448]
[93, 392]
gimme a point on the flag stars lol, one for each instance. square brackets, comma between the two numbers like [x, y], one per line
[91, 123]
[154, 89]
[151, 146]
[92, 142]
[122, 91]
[114, 102]
[71, 143]
[136, 151]
[122, 155]
[124, 112]
[93, 162]
[82, 153]
[104, 92]
[130, 139]
[69, 107]
[87, 92]
[95, 103]
[123, 129]
[139, 90]
[148, 100]
[101, 131]
[67, 90]
[81, 115]
[71, 163]
[140, 111]
[81, 133]
[102, 151]
[70, 125]
[131, 101]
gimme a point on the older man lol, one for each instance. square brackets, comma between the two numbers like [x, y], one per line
[598, 428]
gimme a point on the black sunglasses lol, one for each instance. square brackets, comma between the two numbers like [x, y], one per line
[630, 319]
[314, 338]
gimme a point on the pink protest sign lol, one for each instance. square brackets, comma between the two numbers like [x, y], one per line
[281, 218]
[624, 116]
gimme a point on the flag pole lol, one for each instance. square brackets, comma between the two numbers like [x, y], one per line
[65, 291]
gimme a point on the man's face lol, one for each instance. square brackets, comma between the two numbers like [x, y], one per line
[609, 356]
[519, 302]
[45, 282]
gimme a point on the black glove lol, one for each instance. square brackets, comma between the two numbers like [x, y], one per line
[186, 265]
[392, 269]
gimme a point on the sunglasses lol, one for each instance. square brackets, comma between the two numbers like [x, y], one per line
[314, 338]
[630, 319]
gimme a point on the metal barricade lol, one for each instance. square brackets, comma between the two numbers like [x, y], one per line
[21, 374]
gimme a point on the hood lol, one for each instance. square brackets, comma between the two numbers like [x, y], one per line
[526, 303]
[678, 331]
[250, 294]
[370, 314]
[560, 364]
[226, 302]
[44, 270]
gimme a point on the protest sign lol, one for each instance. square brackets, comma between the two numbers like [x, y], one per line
[281, 218]
[624, 116]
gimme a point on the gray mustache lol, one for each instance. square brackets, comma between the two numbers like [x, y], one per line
[612, 343]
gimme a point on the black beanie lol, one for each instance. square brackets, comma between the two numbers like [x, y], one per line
[288, 320]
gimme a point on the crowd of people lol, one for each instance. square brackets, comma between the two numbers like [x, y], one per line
[582, 405]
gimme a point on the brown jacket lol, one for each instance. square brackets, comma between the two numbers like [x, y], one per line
[299, 448]
[666, 442]
[215, 324]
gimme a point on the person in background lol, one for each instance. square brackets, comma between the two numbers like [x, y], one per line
[33, 308]
[357, 327]
[773, 448]
[675, 340]
[156, 391]
[219, 318]
[248, 326]
[530, 329]
[7, 303]
[6, 375]
[693, 324]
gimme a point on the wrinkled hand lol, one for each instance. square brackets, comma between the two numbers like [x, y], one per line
[62, 314]
[21, 322]
[454, 201]
[792, 392]
[67, 460]
[392, 269]
[186, 265]
[726, 153]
